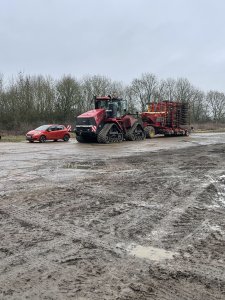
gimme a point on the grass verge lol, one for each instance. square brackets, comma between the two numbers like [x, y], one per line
[20, 138]
[12, 138]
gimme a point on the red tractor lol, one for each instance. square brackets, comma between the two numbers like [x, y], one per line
[166, 117]
[108, 123]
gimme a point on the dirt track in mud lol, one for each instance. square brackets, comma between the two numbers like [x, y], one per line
[132, 221]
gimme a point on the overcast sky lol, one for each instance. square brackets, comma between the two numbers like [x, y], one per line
[120, 39]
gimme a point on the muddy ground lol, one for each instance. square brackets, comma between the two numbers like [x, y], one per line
[131, 221]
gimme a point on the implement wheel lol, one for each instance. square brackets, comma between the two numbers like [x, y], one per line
[186, 133]
[149, 132]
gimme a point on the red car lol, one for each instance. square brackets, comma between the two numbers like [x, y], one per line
[48, 132]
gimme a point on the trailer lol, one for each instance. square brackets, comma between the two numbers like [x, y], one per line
[167, 117]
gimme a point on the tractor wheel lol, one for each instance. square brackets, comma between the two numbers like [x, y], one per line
[130, 136]
[103, 137]
[110, 133]
[139, 133]
[66, 138]
[114, 134]
[149, 132]
[135, 133]
[42, 139]
[80, 139]
[120, 137]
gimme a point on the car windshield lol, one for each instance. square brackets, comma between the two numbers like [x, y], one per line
[43, 127]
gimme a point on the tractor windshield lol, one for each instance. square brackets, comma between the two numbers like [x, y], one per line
[115, 107]
[102, 104]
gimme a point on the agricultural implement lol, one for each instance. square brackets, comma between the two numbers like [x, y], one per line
[167, 118]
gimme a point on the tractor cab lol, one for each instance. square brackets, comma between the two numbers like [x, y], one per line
[115, 107]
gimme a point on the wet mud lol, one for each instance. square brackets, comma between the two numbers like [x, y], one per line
[84, 225]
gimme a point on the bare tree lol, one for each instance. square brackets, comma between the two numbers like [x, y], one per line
[117, 89]
[216, 102]
[183, 90]
[131, 100]
[167, 89]
[68, 98]
[44, 98]
[144, 89]
[30, 100]
[198, 105]
[94, 86]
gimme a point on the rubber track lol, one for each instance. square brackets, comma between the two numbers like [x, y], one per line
[129, 136]
[102, 136]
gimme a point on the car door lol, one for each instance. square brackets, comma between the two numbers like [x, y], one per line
[58, 132]
[52, 133]
[61, 131]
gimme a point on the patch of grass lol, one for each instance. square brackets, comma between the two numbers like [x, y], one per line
[209, 130]
[209, 127]
[19, 138]
[12, 138]
[72, 135]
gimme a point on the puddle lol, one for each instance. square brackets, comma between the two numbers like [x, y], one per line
[152, 253]
[76, 166]
[84, 165]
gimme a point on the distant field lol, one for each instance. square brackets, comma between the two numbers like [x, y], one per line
[18, 138]
[12, 138]
[209, 130]
[209, 127]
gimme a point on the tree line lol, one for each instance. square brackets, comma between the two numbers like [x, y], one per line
[27, 100]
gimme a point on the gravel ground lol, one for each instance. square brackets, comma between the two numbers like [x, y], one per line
[131, 221]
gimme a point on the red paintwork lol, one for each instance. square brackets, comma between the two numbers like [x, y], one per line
[158, 115]
[34, 135]
[158, 118]
[97, 114]
[128, 121]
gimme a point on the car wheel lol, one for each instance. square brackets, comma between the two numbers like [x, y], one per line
[66, 138]
[42, 139]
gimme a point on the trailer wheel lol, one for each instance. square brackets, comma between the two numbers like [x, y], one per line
[149, 132]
